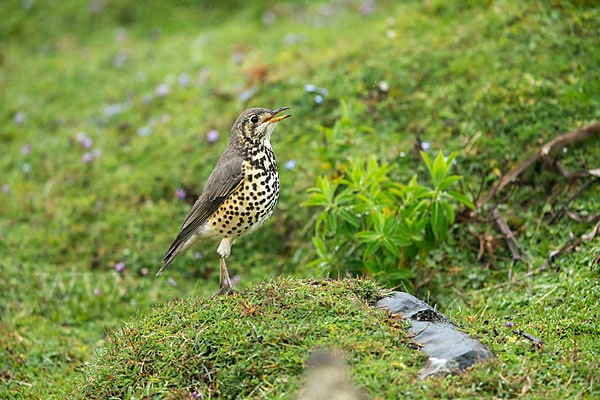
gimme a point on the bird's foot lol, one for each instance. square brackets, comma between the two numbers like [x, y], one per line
[224, 291]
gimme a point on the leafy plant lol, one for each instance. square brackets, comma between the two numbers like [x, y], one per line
[371, 224]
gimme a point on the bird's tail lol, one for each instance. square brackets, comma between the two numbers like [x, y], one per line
[168, 258]
[164, 266]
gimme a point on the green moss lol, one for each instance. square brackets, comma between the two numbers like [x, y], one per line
[253, 344]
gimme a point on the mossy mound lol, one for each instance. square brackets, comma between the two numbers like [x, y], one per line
[252, 344]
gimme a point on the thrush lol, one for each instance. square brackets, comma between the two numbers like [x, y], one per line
[240, 193]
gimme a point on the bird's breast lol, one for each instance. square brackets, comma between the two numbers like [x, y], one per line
[246, 209]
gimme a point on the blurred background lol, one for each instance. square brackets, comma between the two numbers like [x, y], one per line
[114, 112]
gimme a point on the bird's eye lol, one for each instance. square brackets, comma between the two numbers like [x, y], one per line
[254, 119]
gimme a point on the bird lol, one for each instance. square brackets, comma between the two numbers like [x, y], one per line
[240, 193]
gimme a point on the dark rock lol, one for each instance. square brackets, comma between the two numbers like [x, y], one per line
[450, 351]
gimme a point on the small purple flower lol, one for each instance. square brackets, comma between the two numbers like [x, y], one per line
[81, 136]
[112, 109]
[5, 189]
[235, 280]
[269, 17]
[120, 34]
[97, 292]
[144, 271]
[323, 91]
[289, 165]
[119, 60]
[196, 395]
[212, 136]
[509, 324]
[237, 57]
[19, 118]
[245, 96]
[310, 87]
[318, 99]
[144, 131]
[366, 7]
[96, 6]
[120, 266]
[26, 149]
[87, 142]
[183, 80]
[292, 38]
[425, 146]
[87, 157]
[172, 281]
[197, 255]
[180, 194]
[162, 90]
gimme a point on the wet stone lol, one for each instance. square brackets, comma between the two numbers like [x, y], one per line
[450, 351]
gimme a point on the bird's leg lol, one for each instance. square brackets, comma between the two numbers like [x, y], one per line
[225, 286]
[225, 283]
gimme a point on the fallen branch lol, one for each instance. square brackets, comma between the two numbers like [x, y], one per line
[567, 247]
[511, 241]
[486, 244]
[564, 205]
[535, 341]
[561, 141]
[577, 174]
[578, 218]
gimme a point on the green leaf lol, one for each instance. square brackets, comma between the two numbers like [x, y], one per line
[449, 180]
[427, 162]
[372, 248]
[435, 216]
[320, 220]
[345, 196]
[320, 246]
[350, 218]
[367, 236]
[439, 170]
[449, 212]
[462, 199]
[315, 199]
[391, 247]
[401, 240]
[449, 161]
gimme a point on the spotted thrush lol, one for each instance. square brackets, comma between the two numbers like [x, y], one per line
[240, 194]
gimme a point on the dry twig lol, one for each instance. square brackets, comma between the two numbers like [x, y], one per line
[564, 205]
[535, 341]
[550, 147]
[515, 250]
[570, 245]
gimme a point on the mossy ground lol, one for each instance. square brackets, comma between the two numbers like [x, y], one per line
[146, 81]
[252, 344]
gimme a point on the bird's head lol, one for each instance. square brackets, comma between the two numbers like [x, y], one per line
[257, 124]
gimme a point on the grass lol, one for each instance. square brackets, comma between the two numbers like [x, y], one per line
[490, 80]
[230, 347]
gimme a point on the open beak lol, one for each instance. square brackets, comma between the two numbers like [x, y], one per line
[273, 119]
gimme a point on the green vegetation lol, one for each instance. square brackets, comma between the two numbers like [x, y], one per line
[143, 82]
[253, 344]
[375, 226]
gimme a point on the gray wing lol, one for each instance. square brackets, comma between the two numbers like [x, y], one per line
[224, 180]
